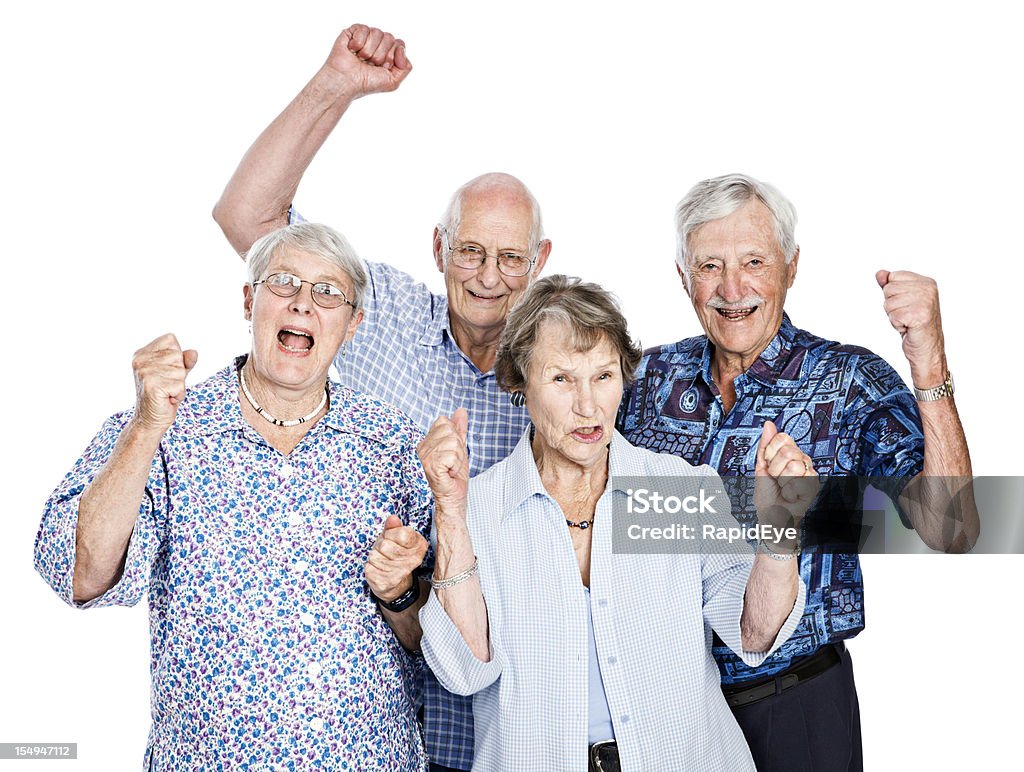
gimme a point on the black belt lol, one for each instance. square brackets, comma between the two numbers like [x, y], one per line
[739, 695]
[604, 756]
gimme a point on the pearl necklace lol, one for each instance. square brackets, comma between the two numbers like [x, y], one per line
[265, 414]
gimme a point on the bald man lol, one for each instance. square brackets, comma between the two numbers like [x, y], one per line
[427, 354]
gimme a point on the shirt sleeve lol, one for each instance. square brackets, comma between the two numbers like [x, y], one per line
[55, 547]
[725, 570]
[881, 439]
[449, 657]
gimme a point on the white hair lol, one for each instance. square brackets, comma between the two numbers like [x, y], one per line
[713, 199]
[452, 216]
[314, 239]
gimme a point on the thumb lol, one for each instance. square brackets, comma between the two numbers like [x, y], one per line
[768, 431]
[461, 420]
[189, 358]
[882, 277]
[392, 522]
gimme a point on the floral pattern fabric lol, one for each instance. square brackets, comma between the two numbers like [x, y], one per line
[268, 652]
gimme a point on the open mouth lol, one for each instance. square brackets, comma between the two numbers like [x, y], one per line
[588, 433]
[295, 341]
[735, 314]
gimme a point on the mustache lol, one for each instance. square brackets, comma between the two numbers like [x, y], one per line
[750, 301]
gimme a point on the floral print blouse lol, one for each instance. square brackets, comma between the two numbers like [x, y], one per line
[268, 652]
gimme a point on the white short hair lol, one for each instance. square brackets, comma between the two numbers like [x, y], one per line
[315, 239]
[719, 197]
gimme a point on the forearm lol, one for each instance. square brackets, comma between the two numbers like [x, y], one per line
[940, 501]
[768, 601]
[463, 602]
[259, 193]
[107, 511]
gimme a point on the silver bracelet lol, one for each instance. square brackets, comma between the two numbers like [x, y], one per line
[451, 581]
[763, 547]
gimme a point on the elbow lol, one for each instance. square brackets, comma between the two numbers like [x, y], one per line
[227, 217]
[756, 638]
[959, 544]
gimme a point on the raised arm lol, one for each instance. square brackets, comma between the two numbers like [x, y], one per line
[939, 501]
[446, 463]
[109, 506]
[364, 60]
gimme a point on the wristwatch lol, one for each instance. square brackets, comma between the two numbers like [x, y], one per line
[944, 389]
[403, 601]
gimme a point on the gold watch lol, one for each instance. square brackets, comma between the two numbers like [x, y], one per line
[944, 389]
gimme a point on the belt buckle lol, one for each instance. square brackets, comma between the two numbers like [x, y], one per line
[595, 756]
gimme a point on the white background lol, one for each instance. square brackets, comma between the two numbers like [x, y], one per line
[894, 128]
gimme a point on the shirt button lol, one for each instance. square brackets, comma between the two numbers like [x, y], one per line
[625, 719]
[314, 669]
[307, 619]
[301, 566]
[612, 660]
[602, 602]
[295, 518]
[317, 724]
[286, 471]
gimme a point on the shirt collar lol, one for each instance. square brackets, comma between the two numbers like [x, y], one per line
[212, 407]
[438, 325]
[523, 479]
[769, 366]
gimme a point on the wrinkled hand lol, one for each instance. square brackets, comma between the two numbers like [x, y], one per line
[785, 483]
[160, 369]
[912, 303]
[446, 462]
[369, 60]
[398, 551]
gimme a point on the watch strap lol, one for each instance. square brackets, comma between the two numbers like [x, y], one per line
[403, 601]
[943, 390]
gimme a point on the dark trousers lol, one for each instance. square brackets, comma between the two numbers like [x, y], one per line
[812, 727]
[439, 768]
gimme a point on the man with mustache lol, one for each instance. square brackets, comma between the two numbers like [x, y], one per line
[709, 398]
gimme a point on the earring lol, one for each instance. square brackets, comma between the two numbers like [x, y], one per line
[517, 398]
[341, 351]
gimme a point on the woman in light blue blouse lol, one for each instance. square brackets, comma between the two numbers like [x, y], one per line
[577, 655]
[246, 507]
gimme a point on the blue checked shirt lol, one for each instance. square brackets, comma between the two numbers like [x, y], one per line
[653, 617]
[404, 354]
[844, 406]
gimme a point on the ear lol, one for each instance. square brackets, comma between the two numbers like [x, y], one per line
[438, 249]
[353, 324]
[682, 278]
[791, 268]
[249, 295]
[542, 257]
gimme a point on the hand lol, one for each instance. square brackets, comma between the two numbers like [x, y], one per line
[446, 462]
[912, 303]
[398, 551]
[160, 369]
[369, 60]
[785, 483]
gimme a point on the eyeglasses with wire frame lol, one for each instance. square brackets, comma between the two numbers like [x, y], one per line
[287, 285]
[472, 256]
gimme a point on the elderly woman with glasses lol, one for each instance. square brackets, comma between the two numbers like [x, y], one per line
[247, 507]
[580, 653]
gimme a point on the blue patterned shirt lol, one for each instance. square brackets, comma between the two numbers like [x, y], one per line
[844, 406]
[267, 651]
